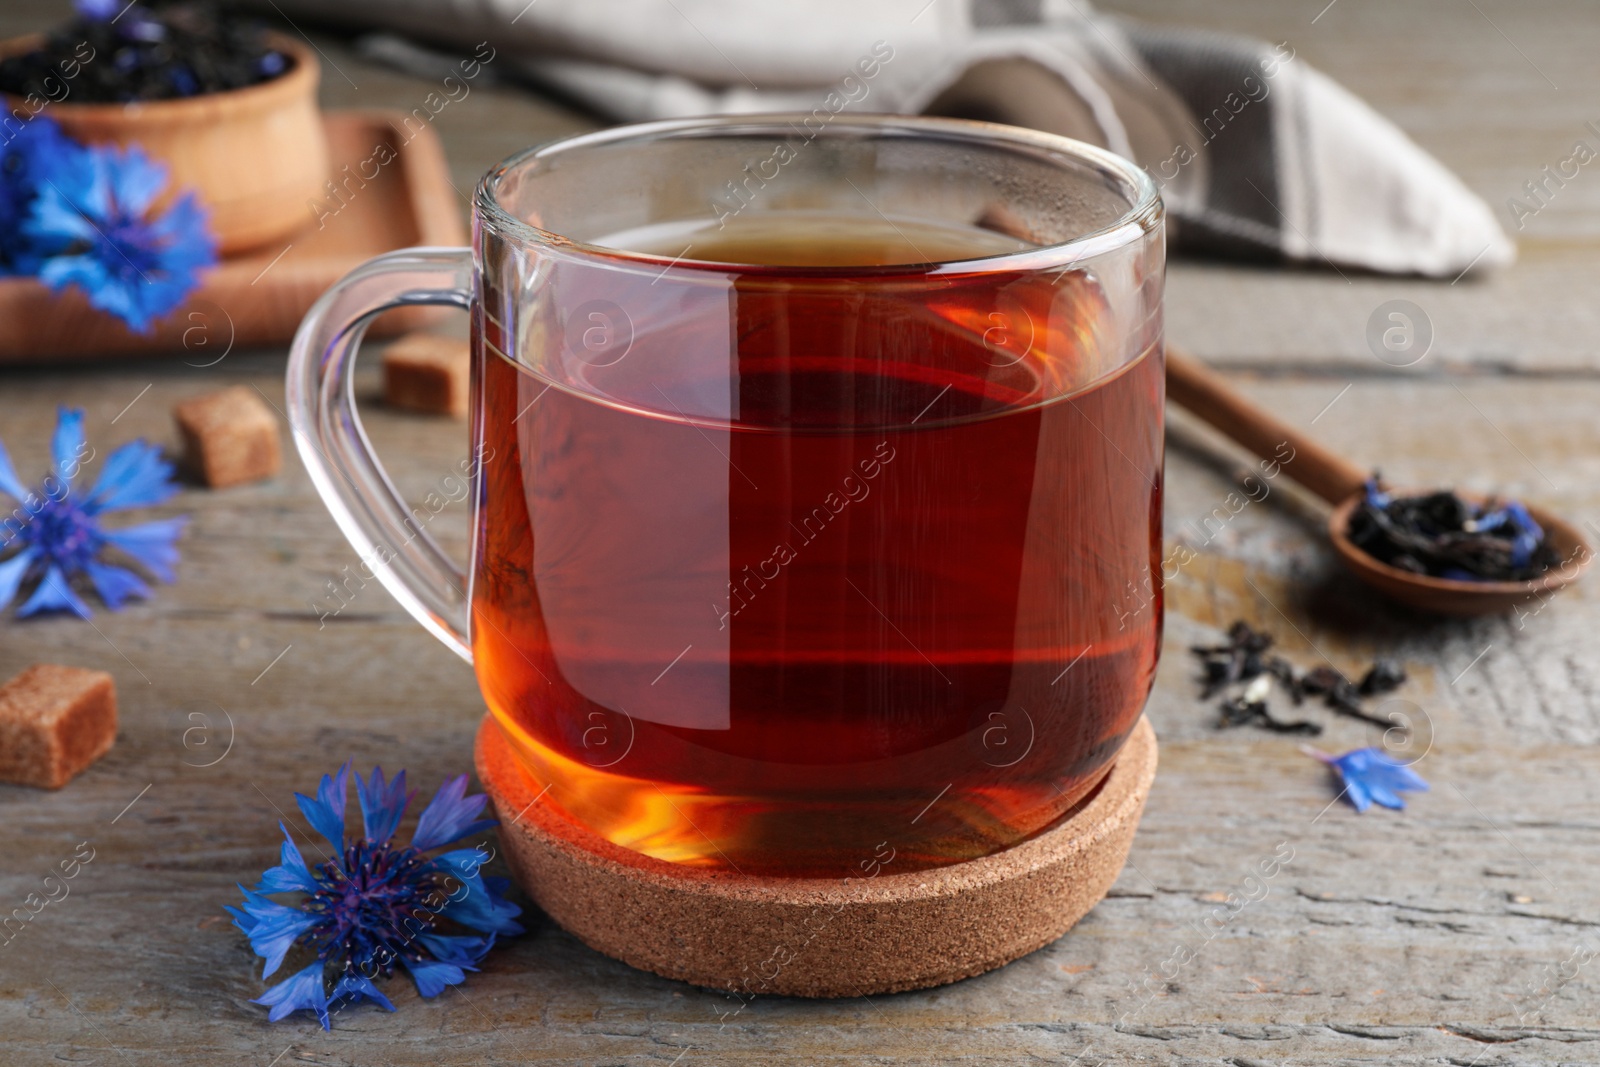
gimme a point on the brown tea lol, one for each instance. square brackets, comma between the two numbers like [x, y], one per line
[895, 606]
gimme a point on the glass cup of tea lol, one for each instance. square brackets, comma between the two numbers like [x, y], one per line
[816, 516]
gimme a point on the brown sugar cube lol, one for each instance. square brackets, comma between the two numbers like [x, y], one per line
[54, 722]
[429, 373]
[229, 437]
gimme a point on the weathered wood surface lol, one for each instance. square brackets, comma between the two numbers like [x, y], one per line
[1446, 934]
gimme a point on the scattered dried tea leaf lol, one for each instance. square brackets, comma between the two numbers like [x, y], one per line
[1383, 676]
[1244, 666]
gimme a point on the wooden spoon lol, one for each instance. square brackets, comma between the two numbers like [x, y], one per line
[1335, 479]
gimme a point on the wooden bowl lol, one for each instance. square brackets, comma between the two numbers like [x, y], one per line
[254, 156]
[1448, 596]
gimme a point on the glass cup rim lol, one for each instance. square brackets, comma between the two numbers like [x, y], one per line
[1144, 212]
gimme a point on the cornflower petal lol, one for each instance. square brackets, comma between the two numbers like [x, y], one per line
[54, 594]
[1381, 795]
[463, 863]
[10, 484]
[134, 476]
[12, 572]
[326, 812]
[1372, 775]
[478, 910]
[382, 806]
[302, 990]
[243, 921]
[359, 987]
[471, 903]
[450, 816]
[184, 229]
[66, 444]
[461, 951]
[276, 927]
[136, 180]
[53, 218]
[432, 976]
[153, 544]
[98, 10]
[30, 158]
[115, 584]
[291, 875]
[85, 190]
[1527, 533]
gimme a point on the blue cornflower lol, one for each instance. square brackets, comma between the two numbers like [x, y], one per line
[1513, 518]
[1526, 533]
[99, 10]
[93, 219]
[1374, 494]
[32, 153]
[1371, 774]
[376, 903]
[141, 26]
[184, 83]
[58, 528]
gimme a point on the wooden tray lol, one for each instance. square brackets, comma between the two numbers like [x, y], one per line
[259, 298]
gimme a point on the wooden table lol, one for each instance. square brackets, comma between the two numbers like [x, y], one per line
[1445, 934]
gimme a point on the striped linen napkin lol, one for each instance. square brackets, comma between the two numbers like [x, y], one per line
[1256, 153]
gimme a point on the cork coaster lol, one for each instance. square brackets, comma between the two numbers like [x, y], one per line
[817, 937]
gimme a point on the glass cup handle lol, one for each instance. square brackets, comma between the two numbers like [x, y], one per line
[334, 447]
